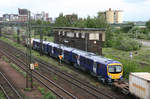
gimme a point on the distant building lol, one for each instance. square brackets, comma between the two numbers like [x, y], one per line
[72, 18]
[112, 16]
[13, 17]
[38, 16]
[1, 19]
[23, 15]
[6, 17]
[49, 20]
[42, 16]
[118, 16]
[22, 11]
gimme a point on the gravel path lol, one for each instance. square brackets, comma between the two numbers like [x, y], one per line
[145, 42]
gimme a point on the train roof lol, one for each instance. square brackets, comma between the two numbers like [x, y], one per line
[83, 53]
[46, 42]
[94, 57]
[101, 59]
[67, 48]
[37, 40]
[53, 44]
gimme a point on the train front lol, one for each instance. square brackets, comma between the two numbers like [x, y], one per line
[114, 71]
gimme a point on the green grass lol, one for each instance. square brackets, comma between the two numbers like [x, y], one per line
[27, 89]
[5, 59]
[2, 96]
[46, 95]
[55, 77]
[48, 38]
[49, 95]
[139, 63]
[42, 90]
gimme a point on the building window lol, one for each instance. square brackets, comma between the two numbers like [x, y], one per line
[83, 35]
[77, 35]
[63, 33]
[70, 34]
[59, 32]
[94, 36]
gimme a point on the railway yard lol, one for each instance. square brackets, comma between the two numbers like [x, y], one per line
[48, 79]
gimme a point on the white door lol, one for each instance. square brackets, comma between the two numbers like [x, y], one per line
[52, 50]
[78, 59]
[94, 67]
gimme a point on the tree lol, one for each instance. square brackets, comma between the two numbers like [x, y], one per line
[148, 24]
[62, 21]
[44, 30]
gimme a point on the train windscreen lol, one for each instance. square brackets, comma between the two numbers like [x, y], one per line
[114, 69]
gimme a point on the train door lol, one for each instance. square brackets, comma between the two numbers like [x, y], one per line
[62, 53]
[52, 50]
[78, 59]
[95, 67]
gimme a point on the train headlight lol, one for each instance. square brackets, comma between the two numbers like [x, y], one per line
[120, 75]
[109, 76]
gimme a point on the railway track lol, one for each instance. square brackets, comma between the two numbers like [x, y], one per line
[59, 91]
[8, 89]
[97, 93]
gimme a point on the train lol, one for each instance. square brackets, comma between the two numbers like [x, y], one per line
[105, 69]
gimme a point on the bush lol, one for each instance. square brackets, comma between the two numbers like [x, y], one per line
[49, 95]
[42, 90]
[127, 44]
[141, 36]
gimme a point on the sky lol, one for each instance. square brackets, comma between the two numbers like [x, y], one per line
[133, 10]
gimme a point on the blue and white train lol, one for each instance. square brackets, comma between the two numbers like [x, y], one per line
[105, 69]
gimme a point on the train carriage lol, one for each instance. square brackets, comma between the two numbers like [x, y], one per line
[103, 68]
[36, 44]
[45, 47]
[107, 69]
[67, 54]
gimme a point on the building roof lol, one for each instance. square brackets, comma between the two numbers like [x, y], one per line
[81, 29]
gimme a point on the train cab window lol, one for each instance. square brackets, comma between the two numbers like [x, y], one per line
[114, 69]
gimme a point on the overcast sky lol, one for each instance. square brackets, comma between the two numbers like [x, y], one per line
[133, 10]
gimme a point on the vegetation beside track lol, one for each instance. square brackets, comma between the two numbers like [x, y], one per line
[14, 66]
[54, 62]
[139, 62]
[2, 96]
[46, 94]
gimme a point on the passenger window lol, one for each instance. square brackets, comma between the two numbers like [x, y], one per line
[83, 35]
[94, 36]
[77, 35]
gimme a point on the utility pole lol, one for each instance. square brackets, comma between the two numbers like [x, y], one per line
[41, 42]
[0, 31]
[18, 35]
[41, 38]
[29, 48]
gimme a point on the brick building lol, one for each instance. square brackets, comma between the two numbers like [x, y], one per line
[23, 15]
[87, 39]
